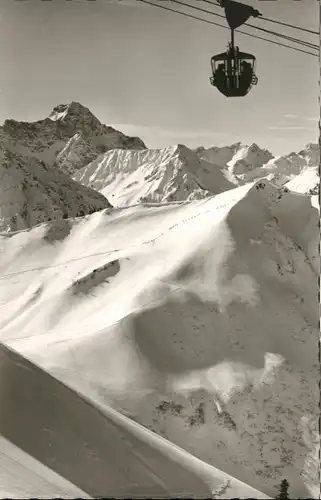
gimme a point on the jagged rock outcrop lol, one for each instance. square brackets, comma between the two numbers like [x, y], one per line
[71, 129]
[31, 193]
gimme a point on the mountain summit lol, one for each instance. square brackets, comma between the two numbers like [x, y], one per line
[74, 110]
[47, 138]
[35, 158]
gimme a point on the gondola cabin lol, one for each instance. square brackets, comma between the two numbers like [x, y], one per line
[233, 72]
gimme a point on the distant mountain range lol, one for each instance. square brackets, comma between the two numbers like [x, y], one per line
[53, 168]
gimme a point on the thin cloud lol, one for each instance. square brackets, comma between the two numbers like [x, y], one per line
[127, 3]
[297, 117]
[167, 133]
[289, 128]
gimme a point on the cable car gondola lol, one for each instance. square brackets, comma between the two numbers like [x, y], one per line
[233, 72]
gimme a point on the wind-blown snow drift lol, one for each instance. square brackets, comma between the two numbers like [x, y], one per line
[198, 320]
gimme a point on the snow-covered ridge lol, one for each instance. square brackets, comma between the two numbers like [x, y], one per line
[197, 320]
[73, 140]
[247, 158]
[250, 163]
[153, 175]
[218, 155]
[177, 173]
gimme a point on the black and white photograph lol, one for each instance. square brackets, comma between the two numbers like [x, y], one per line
[160, 249]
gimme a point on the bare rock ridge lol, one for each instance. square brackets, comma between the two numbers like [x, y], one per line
[49, 137]
[34, 160]
[32, 193]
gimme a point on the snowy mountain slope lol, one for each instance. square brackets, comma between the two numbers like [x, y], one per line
[279, 170]
[251, 163]
[198, 320]
[21, 476]
[312, 154]
[153, 175]
[308, 181]
[72, 138]
[218, 155]
[239, 158]
[77, 153]
[45, 139]
[31, 193]
[177, 173]
[248, 158]
[95, 448]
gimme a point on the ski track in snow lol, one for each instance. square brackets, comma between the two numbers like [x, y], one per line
[181, 295]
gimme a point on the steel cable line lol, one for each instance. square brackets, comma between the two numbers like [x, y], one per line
[225, 27]
[289, 25]
[274, 33]
[271, 20]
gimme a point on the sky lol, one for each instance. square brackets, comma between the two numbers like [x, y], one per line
[145, 71]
